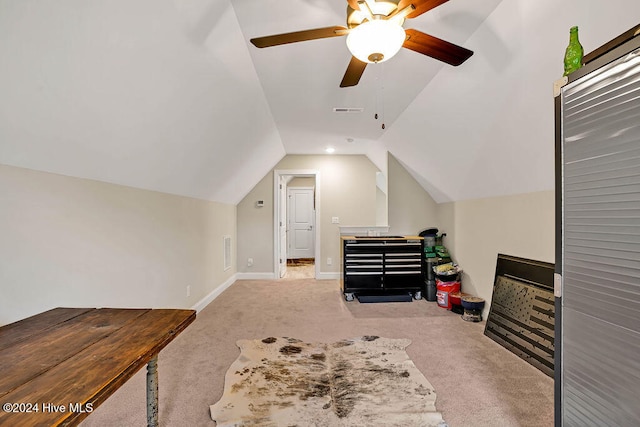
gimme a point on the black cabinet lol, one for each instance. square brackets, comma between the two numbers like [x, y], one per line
[382, 265]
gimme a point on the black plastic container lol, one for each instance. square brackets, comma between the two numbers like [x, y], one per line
[431, 290]
[430, 263]
[448, 277]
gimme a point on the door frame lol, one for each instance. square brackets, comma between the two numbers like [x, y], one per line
[277, 209]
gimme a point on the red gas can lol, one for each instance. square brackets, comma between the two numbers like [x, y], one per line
[443, 291]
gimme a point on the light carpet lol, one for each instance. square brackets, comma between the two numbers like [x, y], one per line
[366, 381]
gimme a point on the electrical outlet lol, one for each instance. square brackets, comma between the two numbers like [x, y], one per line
[329, 261]
[249, 262]
[188, 290]
[335, 220]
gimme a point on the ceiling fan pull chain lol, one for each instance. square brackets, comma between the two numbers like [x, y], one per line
[382, 93]
[375, 116]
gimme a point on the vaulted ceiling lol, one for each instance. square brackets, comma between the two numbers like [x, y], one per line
[169, 95]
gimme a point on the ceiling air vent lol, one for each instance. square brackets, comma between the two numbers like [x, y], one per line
[348, 109]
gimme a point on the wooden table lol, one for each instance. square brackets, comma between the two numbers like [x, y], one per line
[58, 366]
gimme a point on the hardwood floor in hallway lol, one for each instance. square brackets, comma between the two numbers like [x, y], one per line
[300, 269]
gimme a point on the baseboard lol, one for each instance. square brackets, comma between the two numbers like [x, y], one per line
[214, 294]
[255, 276]
[328, 275]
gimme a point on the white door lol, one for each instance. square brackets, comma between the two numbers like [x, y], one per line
[300, 217]
[282, 227]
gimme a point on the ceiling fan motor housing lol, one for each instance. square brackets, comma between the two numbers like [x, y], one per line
[380, 8]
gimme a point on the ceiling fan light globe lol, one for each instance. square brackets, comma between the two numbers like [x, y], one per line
[376, 41]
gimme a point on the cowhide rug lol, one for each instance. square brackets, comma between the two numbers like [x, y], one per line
[284, 382]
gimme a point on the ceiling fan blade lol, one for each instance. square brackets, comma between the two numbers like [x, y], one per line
[353, 4]
[353, 73]
[436, 48]
[422, 6]
[299, 36]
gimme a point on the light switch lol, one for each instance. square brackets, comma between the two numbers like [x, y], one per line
[335, 220]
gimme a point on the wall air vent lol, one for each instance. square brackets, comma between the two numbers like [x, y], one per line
[348, 109]
[227, 252]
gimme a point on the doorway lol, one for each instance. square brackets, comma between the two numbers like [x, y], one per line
[296, 223]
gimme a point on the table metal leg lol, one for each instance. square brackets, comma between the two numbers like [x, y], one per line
[152, 392]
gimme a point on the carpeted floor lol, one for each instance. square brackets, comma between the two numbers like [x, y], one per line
[478, 383]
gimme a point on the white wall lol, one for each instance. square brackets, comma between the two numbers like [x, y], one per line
[255, 228]
[478, 230]
[411, 208]
[82, 243]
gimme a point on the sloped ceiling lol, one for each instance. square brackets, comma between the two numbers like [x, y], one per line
[169, 95]
[152, 94]
[489, 130]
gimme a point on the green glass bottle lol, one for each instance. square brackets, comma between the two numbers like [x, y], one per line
[574, 52]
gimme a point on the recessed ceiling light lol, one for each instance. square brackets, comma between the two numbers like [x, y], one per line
[349, 140]
[330, 150]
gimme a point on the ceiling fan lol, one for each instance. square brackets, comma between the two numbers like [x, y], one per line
[374, 34]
